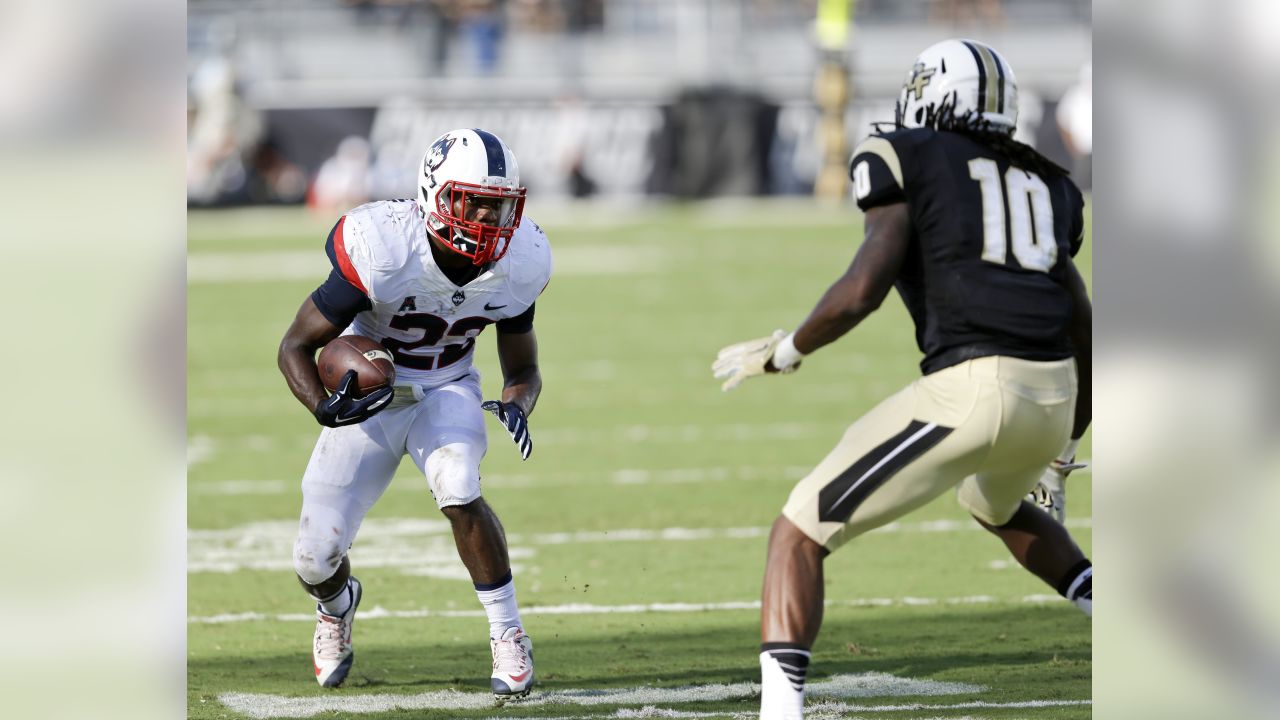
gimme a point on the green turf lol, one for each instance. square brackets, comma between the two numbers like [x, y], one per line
[628, 397]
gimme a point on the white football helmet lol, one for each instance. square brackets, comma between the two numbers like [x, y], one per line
[470, 194]
[959, 81]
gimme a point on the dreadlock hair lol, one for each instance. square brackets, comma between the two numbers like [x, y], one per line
[973, 125]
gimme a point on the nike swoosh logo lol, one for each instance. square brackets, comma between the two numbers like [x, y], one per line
[521, 676]
[487, 306]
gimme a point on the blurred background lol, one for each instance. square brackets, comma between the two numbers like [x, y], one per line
[332, 102]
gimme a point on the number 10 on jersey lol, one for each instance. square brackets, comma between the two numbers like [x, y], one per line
[1030, 231]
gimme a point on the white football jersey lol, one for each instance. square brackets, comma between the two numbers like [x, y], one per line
[427, 322]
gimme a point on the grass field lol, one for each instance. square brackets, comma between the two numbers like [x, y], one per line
[638, 526]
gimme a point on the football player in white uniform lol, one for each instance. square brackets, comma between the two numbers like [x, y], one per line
[423, 278]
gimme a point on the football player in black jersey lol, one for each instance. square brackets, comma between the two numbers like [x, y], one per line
[977, 232]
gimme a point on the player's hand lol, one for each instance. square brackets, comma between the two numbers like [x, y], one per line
[341, 408]
[748, 359]
[514, 420]
[1050, 493]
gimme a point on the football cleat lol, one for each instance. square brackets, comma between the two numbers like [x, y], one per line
[512, 665]
[331, 652]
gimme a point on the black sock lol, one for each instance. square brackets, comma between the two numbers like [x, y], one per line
[1078, 582]
[793, 659]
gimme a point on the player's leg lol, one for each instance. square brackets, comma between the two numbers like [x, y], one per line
[1038, 401]
[793, 587]
[447, 441]
[790, 617]
[349, 470]
[908, 450]
[1044, 547]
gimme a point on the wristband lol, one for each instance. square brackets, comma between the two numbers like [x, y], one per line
[786, 354]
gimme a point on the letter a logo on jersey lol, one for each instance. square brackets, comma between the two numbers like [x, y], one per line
[408, 304]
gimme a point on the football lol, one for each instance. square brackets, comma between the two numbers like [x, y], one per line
[373, 364]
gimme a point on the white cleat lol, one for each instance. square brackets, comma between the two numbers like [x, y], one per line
[331, 650]
[512, 665]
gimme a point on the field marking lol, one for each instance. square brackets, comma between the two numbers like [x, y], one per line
[570, 435]
[425, 547]
[620, 476]
[277, 265]
[378, 612]
[864, 685]
[821, 710]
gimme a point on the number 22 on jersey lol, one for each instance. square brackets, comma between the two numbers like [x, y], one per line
[1030, 230]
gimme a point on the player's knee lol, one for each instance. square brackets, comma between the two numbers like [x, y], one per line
[321, 543]
[453, 473]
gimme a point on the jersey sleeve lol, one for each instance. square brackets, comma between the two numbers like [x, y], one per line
[519, 324]
[340, 255]
[340, 301]
[529, 260]
[876, 173]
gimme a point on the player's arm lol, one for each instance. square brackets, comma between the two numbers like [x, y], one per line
[862, 288]
[309, 332]
[522, 382]
[521, 379]
[1082, 341]
[1050, 493]
[880, 190]
[850, 299]
[321, 318]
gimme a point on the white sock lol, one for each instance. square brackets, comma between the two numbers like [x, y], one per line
[340, 603]
[499, 601]
[782, 672]
[1085, 604]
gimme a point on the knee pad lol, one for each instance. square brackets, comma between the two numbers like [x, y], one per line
[322, 541]
[453, 474]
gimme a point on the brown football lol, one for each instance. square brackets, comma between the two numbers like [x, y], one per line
[372, 363]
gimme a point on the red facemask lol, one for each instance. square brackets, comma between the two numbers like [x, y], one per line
[485, 237]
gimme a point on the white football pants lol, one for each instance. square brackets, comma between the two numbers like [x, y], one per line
[442, 428]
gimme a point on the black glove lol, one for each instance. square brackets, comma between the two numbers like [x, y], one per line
[341, 408]
[516, 423]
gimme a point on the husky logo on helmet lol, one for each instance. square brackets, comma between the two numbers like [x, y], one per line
[959, 83]
[437, 153]
[435, 157]
[470, 195]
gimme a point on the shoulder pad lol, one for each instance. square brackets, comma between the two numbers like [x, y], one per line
[876, 169]
[378, 240]
[528, 262]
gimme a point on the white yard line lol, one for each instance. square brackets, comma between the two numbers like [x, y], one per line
[420, 546]
[378, 612]
[620, 476]
[821, 710]
[546, 436]
[865, 685]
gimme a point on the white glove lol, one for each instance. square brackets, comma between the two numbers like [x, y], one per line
[1050, 493]
[747, 359]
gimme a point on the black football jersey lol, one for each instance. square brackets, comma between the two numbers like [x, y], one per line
[986, 269]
